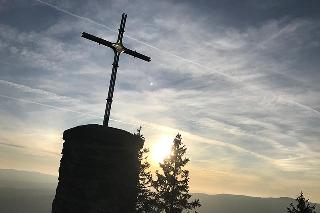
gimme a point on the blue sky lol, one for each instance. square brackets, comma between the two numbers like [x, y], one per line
[238, 79]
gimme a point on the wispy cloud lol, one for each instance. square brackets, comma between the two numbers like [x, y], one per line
[242, 93]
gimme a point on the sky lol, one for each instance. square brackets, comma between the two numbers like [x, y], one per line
[239, 80]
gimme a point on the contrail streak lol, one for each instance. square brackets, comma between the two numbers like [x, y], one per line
[64, 109]
[148, 125]
[132, 38]
[57, 98]
[233, 79]
[145, 124]
[303, 106]
[33, 90]
[75, 15]
[46, 105]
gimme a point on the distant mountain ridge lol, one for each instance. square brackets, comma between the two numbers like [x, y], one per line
[10, 178]
[226, 203]
[33, 192]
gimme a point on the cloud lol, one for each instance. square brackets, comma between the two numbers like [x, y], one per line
[11, 145]
[240, 89]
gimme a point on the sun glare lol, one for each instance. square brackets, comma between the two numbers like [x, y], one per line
[161, 149]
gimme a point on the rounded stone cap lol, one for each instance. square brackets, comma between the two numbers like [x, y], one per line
[99, 135]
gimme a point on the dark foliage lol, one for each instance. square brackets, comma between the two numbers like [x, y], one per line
[303, 206]
[172, 184]
[145, 198]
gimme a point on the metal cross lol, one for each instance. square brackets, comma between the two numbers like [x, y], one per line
[117, 48]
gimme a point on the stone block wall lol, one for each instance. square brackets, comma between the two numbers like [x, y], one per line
[98, 171]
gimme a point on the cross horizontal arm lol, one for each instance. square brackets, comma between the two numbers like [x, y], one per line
[136, 54]
[98, 40]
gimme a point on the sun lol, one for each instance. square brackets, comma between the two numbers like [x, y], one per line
[161, 149]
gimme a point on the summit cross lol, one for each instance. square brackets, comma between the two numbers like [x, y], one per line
[117, 48]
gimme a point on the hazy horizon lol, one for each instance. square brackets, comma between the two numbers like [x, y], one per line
[239, 80]
[34, 177]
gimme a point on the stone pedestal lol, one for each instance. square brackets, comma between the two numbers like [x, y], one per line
[98, 171]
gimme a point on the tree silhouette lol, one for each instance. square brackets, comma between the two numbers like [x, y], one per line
[303, 206]
[172, 184]
[145, 197]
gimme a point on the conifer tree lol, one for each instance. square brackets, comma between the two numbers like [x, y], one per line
[145, 197]
[303, 206]
[172, 184]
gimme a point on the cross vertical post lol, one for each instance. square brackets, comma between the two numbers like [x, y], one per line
[111, 88]
[114, 71]
[117, 48]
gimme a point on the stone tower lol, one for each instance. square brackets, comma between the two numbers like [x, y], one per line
[98, 171]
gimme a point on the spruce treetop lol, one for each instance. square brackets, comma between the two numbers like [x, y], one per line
[303, 206]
